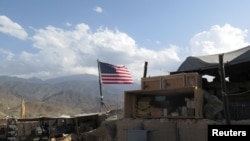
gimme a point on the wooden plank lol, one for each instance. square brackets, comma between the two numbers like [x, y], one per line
[198, 98]
[196, 93]
[173, 81]
[151, 83]
[193, 79]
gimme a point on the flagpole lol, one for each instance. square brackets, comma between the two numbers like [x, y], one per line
[100, 86]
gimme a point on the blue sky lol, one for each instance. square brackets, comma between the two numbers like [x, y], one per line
[53, 38]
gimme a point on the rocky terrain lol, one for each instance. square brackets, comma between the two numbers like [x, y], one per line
[59, 96]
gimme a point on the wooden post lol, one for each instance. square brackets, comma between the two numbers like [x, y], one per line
[223, 89]
[145, 69]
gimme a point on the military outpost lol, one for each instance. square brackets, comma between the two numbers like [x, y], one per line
[205, 90]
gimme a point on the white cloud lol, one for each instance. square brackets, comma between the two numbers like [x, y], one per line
[66, 52]
[218, 39]
[76, 50]
[14, 29]
[6, 55]
[98, 9]
[158, 42]
[68, 24]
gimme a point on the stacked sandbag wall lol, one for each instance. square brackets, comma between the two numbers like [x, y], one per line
[123, 125]
[166, 129]
[160, 129]
[193, 130]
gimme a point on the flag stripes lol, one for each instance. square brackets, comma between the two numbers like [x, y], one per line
[112, 74]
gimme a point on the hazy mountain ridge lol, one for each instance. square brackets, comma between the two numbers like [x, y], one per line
[69, 95]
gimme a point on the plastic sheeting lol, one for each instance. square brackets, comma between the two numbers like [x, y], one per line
[209, 62]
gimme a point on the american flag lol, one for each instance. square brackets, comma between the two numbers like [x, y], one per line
[112, 74]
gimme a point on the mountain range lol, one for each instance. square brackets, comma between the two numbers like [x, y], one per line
[69, 95]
